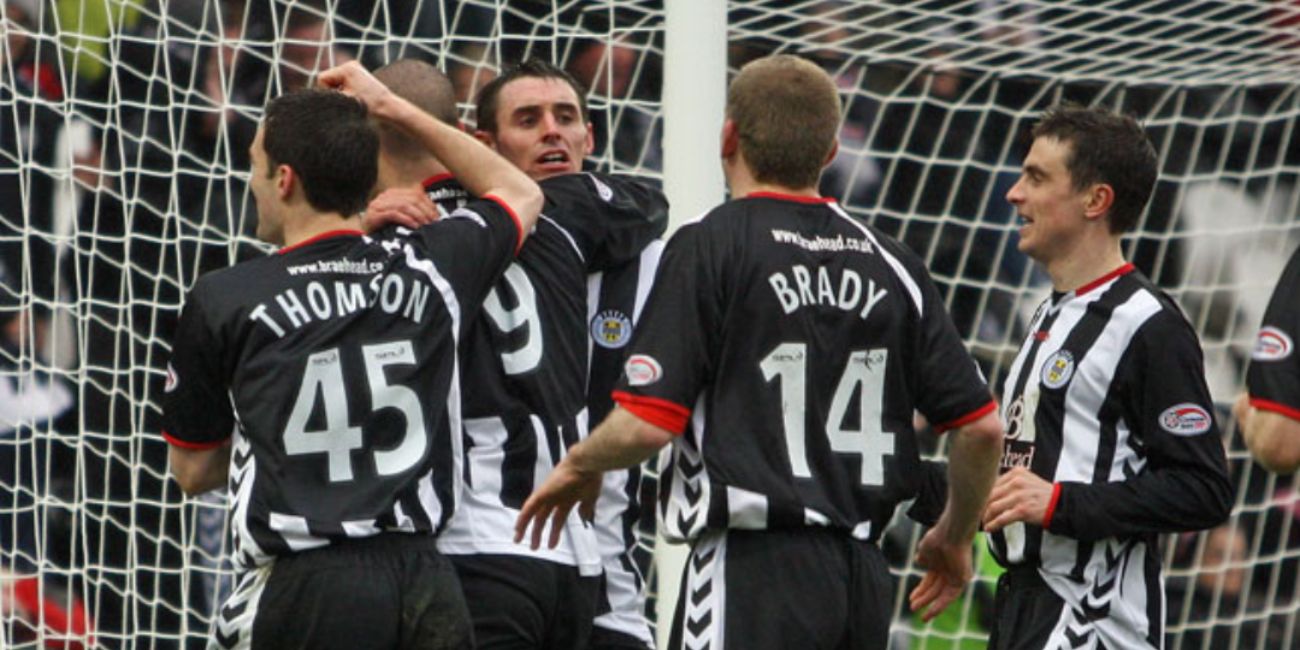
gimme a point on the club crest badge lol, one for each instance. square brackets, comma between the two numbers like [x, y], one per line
[1058, 370]
[611, 329]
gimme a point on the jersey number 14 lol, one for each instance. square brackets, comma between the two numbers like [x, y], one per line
[864, 374]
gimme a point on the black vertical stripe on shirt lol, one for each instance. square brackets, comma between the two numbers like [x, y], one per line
[618, 289]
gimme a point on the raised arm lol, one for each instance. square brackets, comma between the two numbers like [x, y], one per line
[478, 168]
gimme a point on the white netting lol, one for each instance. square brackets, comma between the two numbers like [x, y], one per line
[123, 136]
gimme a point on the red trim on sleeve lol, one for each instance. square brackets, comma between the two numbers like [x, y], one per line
[1051, 505]
[325, 235]
[659, 412]
[185, 444]
[968, 418]
[780, 196]
[437, 178]
[1267, 405]
[519, 225]
[1126, 268]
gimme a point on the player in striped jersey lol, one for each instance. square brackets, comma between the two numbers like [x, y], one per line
[299, 377]
[1111, 438]
[783, 351]
[525, 364]
[1269, 415]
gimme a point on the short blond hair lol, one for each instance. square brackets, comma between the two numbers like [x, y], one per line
[787, 113]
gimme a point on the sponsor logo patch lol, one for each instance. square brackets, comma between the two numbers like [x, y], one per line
[1186, 419]
[1272, 344]
[172, 379]
[1058, 369]
[611, 329]
[642, 370]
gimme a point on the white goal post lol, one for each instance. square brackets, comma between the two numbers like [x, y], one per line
[123, 133]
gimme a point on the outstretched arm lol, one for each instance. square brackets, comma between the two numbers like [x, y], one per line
[622, 440]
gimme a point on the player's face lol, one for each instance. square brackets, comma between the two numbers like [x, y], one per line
[540, 127]
[1050, 209]
[269, 228]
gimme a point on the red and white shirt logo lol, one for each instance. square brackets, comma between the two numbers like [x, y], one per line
[1186, 419]
[1272, 344]
[642, 370]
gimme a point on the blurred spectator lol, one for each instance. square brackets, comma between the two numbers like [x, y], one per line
[616, 74]
[1218, 598]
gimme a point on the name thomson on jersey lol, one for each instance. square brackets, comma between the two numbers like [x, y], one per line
[392, 293]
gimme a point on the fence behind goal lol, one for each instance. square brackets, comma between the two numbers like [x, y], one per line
[123, 159]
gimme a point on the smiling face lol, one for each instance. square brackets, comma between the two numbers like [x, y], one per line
[541, 128]
[1051, 209]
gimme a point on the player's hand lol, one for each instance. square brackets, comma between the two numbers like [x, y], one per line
[1018, 495]
[352, 79]
[948, 569]
[565, 487]
[400, 206]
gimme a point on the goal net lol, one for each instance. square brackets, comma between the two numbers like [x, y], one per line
[124, 127]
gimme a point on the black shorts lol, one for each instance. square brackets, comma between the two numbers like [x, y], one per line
[795, 588]
[387, 591]
[606, 639]
[1026, 611]
[523, 603]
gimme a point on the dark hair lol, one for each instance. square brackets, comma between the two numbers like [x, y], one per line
[329, 142]
[787, 114]
[1107, 148]
[485, 113]
[428, 89]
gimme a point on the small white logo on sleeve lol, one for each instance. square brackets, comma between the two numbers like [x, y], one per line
[602, 189]
[1186, 419]
[642, 370]
[172, 379]
[1272, 344]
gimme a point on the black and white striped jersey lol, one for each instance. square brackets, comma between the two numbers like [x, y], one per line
[614, 302]
[1274, 375]
[525, 361]
[791, 344]
[1107, 399]
[333, 365]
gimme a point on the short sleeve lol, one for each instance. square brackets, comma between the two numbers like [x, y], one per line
[611, 218]
[471, 248]
[1273, 379]
[672, 354]
[951, 392]
[197, 413]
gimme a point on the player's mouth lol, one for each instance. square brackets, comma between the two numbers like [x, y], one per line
[554, 160]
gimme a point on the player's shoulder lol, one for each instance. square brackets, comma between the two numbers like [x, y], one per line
[1166, 321]
[590, 188]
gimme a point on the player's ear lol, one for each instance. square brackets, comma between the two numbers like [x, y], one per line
[1100, 199]
[830, 157]
[486, 138]
[284, 181]
[730, 138]
[590, 145]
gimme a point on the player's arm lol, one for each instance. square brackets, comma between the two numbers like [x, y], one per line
[1185, 484]
[944, 552]
[621, 441]
[200, 470]
[478, 168]
[1272, 436]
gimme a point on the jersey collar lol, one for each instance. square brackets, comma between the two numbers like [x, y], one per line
[330, 234]
[1125, 269]
[780, 196]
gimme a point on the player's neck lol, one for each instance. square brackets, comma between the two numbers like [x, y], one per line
[306, 226]
[741, 182]
[1085, 263]
[411, 174]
